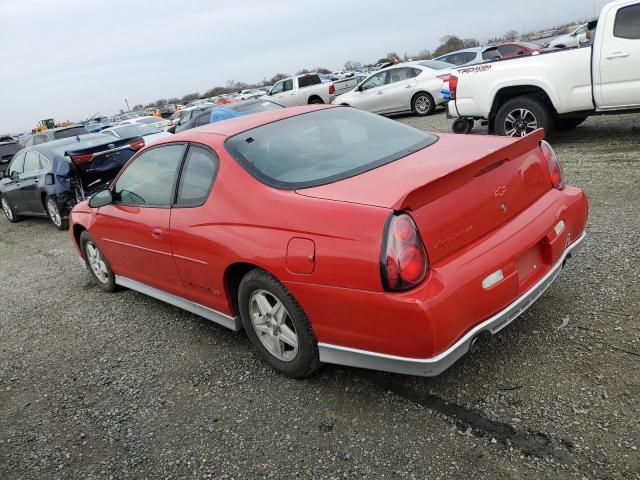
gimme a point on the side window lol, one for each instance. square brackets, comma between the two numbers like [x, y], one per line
[198, 174]
[150, 178]
[32, 162]
[287, 85]
[30, 141]
[277, 88]
[401, 74]
[17, 165]
[505, 50]
[374, 81]
[628, 23]
[491, 54]
[39, 139]
[204, 119]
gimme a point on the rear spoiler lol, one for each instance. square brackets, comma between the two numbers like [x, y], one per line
[441, 186]
[86, 155]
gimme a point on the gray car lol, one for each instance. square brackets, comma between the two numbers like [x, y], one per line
[471, 56]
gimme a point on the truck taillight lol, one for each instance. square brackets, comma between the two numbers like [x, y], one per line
[404, 262]
[453, 86]
[332, 89]
[555, 170]
[137, 144]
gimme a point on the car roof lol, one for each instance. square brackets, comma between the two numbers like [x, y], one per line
[58, 147]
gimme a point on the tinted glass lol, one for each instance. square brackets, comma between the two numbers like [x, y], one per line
[17, 164]
[287, 85]
[374, 81]
[203, 119]
[401, 74]
[198, 174]
[628, 23]
[323, 146]
[306, 80]
[277, 88]
[32, 162]
[256, 107]
[70, 132]
[149, 179]
[506, 50]
[8, 150]
[491, 54]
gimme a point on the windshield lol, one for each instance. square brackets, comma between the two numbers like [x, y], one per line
[436, 64]
[256, 107]
[323, 146]
[127, 131]
[70, 132]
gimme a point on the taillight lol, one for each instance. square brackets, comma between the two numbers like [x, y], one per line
[332, 89]
[555, 170]
[137, 144]
[404, 262]
[444, 77]
[84, 158]
[453, 86]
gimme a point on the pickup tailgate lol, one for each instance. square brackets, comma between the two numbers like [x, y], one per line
[457, 190]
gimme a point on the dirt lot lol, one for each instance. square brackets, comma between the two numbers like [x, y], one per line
[123, 386]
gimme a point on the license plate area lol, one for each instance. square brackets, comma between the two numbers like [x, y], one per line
[530, 266]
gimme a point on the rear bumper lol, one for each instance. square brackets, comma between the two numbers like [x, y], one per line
[435, 365]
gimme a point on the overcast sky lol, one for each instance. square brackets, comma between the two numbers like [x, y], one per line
[68, 59]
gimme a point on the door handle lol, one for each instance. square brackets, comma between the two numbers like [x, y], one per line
[157, 233]
[409, 86]
[379, 92]
[617, 55]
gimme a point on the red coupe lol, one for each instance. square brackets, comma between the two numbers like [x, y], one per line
[334, 235]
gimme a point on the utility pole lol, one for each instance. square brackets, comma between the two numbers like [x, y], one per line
[128, 109]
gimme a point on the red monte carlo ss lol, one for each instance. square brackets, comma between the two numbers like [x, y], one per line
[334, 235]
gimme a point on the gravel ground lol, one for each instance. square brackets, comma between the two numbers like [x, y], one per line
[121, 386]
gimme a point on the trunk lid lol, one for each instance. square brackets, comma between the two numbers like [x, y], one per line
[457, 190]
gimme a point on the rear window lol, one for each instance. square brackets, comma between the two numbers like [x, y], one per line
[70, 132]
[324, 146]
[149, 120]
[128, 131]
[436, 64]
[8, 150]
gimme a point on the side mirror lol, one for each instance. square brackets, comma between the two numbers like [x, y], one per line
[100, 199]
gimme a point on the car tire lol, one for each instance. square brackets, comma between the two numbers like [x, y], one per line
[266, 308]
[521, 116]
[97, 263]
[569, 123]
[11, 215]
[423, 104]
[53, 210]
[315, 101]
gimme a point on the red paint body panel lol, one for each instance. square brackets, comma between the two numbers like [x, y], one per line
[324, 243]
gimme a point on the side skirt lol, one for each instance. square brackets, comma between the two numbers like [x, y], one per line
[233, 323]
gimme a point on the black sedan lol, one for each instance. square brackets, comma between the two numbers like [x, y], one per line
[47, 180]
[226, 111]
[7, 150]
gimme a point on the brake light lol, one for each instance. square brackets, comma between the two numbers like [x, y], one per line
[453, 86]
[555, 170]
[137, 144]
[83, 158]
[332, 89]
[404, 261]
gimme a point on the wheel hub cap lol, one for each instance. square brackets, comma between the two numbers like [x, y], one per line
[54, 213]
[273, 325]
[520, 122]
[7, 209]
[97, 264]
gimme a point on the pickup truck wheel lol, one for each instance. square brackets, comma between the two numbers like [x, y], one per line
[521, 116]
[315, 101]
[276, 325]
[569, 123]
[423, 104]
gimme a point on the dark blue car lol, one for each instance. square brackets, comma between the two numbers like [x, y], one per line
[47, 180]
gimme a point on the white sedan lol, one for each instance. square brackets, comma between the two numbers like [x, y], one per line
[410, 87]
[148, 133]
[158, 122]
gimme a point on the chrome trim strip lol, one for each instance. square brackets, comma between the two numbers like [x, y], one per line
[435, 365]
[168, 254]
[233, 323]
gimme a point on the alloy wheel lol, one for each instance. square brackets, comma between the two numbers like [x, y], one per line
[423, 104]
[96, 262]
[273, 325]
[7, 209]
[54, 213]
[520, 122]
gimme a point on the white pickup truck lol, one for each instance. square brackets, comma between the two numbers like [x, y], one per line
[558, 89]
[308, 88]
